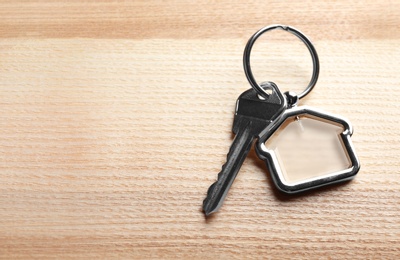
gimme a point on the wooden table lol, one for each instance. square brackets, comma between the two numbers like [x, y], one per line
[116, 117]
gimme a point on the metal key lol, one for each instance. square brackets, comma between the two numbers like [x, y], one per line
[253, 114]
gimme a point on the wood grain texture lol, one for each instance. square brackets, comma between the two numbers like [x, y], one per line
[116, 117]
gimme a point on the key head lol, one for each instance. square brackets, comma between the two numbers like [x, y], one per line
[250, 106]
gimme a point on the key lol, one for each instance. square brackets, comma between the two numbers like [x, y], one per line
[253, 114]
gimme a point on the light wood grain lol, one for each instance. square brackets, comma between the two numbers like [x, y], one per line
[116, 117]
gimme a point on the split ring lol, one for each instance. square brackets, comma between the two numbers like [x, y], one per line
[302, 37]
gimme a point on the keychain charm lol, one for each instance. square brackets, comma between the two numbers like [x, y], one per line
[303, 147]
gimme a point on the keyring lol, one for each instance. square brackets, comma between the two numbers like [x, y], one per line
[302, 37]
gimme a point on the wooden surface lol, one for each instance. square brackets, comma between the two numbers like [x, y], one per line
[116, 117]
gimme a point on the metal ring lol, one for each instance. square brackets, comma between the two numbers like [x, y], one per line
[301, 36]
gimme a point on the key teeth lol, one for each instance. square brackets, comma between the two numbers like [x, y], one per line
[206, 201]
[219, 176]
[210, 204]
[207, 207]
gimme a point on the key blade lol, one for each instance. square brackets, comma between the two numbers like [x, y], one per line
[235, 157]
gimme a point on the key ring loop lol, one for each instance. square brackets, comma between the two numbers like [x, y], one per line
[301, 36]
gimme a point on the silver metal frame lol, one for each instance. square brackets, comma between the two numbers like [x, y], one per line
[269, 156]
